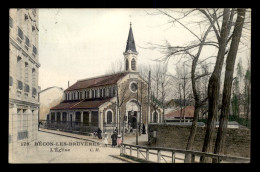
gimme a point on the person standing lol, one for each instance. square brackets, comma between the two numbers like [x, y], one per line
[144, 131]
[99, 133]
[114, 139]
[119, 140]
[105, 139]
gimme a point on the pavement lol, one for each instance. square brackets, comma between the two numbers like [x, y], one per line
[53, 146]
[58, 148]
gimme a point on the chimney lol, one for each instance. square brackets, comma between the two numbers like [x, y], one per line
[68, 84]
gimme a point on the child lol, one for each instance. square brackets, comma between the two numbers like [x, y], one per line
[105, 139]
[119, 140]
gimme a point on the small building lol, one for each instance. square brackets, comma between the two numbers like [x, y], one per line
[186, 114]
[49, 97]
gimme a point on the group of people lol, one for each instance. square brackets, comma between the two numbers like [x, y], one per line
[116, 139]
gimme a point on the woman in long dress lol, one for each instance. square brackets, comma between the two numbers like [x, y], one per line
[114, 139]
[105, 139]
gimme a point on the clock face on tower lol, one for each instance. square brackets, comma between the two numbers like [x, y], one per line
[133, 86]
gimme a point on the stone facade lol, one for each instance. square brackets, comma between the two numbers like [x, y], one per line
[23, 76]
[174, 136]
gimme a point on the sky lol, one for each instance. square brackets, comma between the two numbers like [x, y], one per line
[80, 43]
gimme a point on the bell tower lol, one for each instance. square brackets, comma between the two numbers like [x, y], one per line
[130, 53]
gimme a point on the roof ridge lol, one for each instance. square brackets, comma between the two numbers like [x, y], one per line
[101, 76]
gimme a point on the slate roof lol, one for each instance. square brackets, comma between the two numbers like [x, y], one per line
[97, 82]
[130, 41]
[83, 104]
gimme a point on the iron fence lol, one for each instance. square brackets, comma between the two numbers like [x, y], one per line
[170, 155]
[70, 126]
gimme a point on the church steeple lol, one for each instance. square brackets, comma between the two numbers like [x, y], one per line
[130, 53]
[130, 41]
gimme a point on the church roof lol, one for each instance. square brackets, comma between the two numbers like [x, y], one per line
[82, 104]
[97, 81]
[130, 41]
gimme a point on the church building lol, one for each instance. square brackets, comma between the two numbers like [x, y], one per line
[106, 101]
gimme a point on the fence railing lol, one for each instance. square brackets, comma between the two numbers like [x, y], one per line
[70, 126]
[170, 155]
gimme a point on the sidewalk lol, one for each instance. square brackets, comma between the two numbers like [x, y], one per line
[74, 135]
[142, 140]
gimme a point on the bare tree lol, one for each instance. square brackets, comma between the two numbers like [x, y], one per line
[221, 39]
[116, 67]
[230, 62]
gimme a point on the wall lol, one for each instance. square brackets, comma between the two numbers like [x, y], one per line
[49, 98]
[237, 140]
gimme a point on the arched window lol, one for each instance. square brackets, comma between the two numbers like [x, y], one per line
[109, 117]
[133, 64]
[126, 64]
[155, 117]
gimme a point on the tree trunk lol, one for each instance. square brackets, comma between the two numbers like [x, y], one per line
[230, 62]
[214, 85]
[197, 99]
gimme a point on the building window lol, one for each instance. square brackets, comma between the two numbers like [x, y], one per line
[109, 117]
[19, 68]
[19, 85]
[78, 117]
[114, 91]
[22, 135]
[26, 72]
[86, 94]
[96, 93]
[27, 41]
[33, 77]
[104, 92]
[52, 117]
[100, 92]
[64, 116]
[58, 117]
[126, 64]
[34, 50]
[133, 87]
[34, 91]
[11, 24]
[133, 66]
[20, 33]
[25, 16]
[155, 117]
[26, 88]
[85, 118]
[93, 94]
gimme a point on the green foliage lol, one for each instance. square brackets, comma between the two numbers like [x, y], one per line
[241, 121]
[203, 120]
[235, 105]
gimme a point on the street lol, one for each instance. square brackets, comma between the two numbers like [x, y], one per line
[45, 152]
